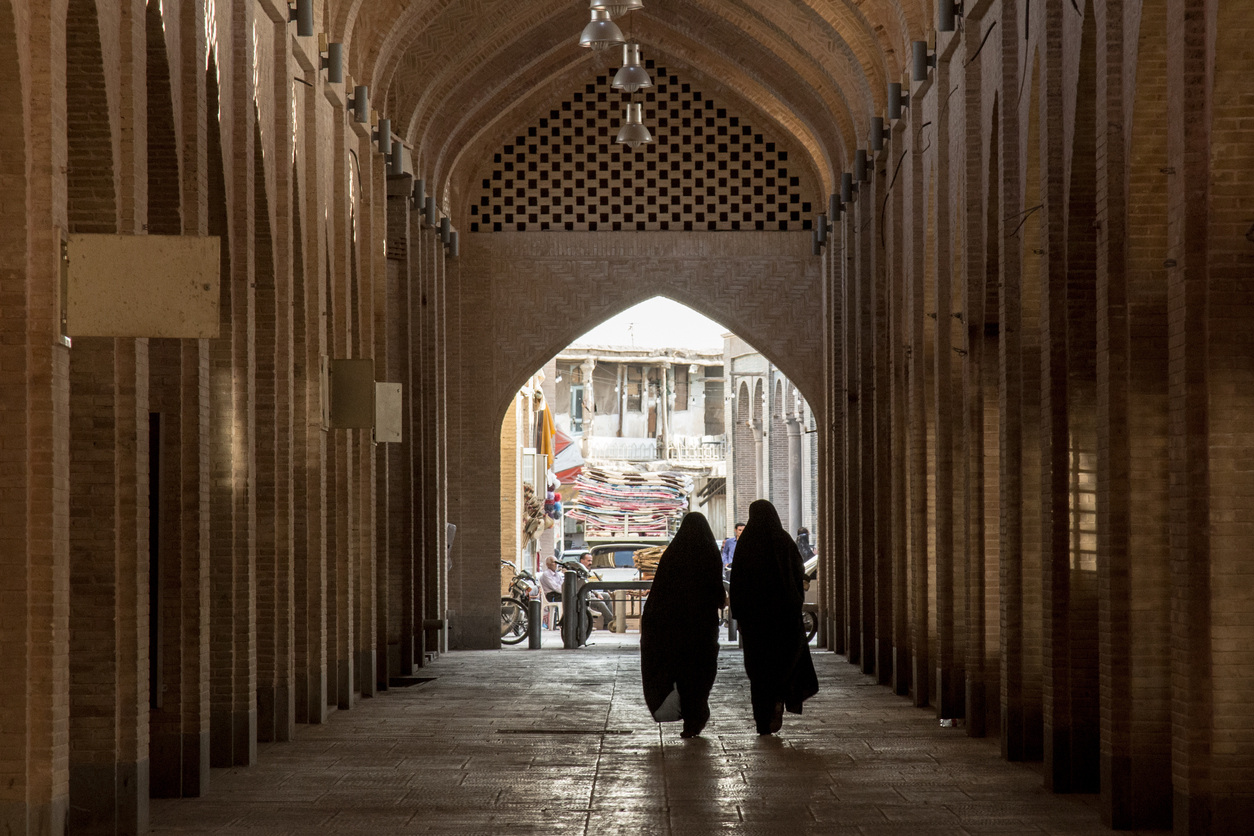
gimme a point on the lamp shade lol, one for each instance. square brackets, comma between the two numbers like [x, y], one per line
[601, 32]
[633, 132]
[632, 75]
[617, 8]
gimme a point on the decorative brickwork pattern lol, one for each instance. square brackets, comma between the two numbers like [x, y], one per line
[709, 169]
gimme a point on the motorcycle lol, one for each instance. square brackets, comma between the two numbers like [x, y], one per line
[515, 607]
[809, 617]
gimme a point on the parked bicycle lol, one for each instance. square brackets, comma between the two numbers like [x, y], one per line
[515, 607]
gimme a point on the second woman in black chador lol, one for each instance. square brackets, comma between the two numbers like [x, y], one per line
[679, 627]
[766, 599]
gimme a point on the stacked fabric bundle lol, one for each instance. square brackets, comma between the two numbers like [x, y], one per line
[622, 505]
[646, 561]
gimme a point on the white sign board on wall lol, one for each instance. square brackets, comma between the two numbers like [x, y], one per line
[143, 286]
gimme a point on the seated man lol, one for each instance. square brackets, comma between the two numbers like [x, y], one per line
[598, 600]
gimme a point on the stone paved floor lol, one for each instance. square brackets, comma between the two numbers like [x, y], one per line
[559, 742]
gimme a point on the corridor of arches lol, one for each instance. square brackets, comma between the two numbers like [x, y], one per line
[252, 469]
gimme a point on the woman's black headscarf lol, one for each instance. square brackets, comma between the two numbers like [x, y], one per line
[688, 584]
[766, 599]
[679, 625]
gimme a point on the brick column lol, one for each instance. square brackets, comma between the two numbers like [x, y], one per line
[979, 243]
[917, 376]
[851, 284]
[867, 273]
[835, 568]
[1133, 489]
[341, 545]
[1211, 367]
[897, 470]
[309, 484]
[949, 685]
[233, 391]
[396, 469]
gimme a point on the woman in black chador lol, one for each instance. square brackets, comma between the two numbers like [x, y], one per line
[766, 598]
[679, 627]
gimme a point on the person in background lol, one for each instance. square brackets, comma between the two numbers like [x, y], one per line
[766, 596]
[729, 547]
[679, 628]
[598, 600]
[803, 544]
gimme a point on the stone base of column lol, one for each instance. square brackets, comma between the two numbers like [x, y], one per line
[884, 662]
[366, 673]
[284, 713]
[977, 707]
[165, 750]
[94, 798]
[344, 684]
[35, 819]
[244, 742]
[313, 706]
[195, 764]
[265, 714]
[132, 796]
[920, 680]
[1136, 792]
[1212, 815]
[221, 738]
[951, 694]
[901, 671]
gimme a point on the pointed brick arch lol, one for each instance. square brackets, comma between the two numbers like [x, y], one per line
[556, 287]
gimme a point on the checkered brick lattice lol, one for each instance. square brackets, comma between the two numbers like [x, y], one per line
[707, 170]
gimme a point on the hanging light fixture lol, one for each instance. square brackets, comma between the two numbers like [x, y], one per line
[617, 8]
[601, 32]
[633, 132]
[632, 75]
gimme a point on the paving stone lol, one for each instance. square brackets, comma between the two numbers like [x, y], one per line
[523, 742]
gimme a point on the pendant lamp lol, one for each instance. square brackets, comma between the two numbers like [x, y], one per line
[632, 75]
[633, 132]
[617, 8]
[601, 32]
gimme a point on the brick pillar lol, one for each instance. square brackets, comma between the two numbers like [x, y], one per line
[977, 238]
[397, 460]
[917, 441]
[446, 294]
[1068, 431]
[341, 545]
[852, 315]
[1133, 488]
[233, 648]
[881, 423]
[897, 470]
[309, 483]
[372, 283]
[108, 434]
[1211, 368]
[836, 561]
[866, 263]
[949, 685]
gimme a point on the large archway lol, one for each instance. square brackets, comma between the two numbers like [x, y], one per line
[520, 298]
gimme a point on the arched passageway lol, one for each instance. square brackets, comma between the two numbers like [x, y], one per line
[1006, 261]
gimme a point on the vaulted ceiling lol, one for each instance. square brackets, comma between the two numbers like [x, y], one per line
[458, 77]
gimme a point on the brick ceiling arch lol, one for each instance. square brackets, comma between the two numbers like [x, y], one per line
[759, 291]
[450, 71]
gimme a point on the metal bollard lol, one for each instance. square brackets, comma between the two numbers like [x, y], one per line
[570, 591]
[620, 611]
[733, 635]
[533, 625]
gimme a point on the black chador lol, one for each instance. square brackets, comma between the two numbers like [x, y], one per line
[679, 627]
[766, 599]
